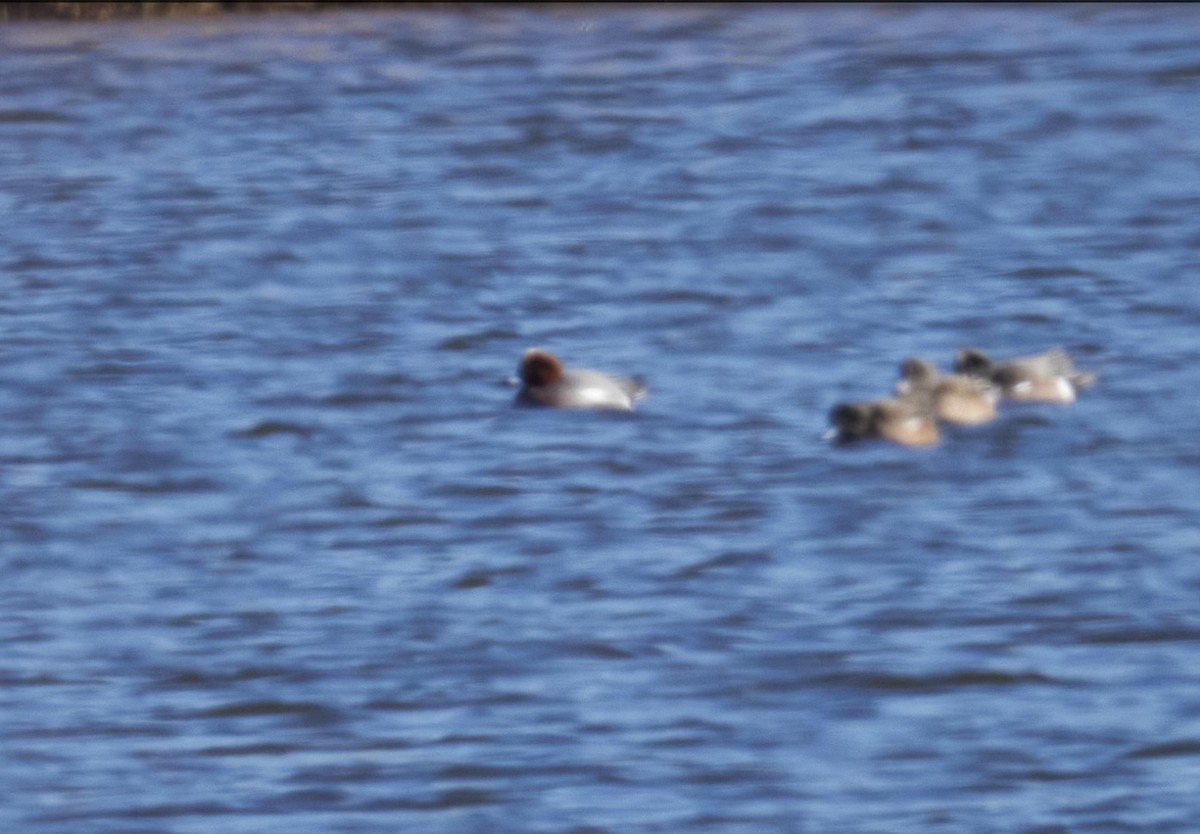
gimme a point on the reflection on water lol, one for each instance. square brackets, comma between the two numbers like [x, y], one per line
[276, 550]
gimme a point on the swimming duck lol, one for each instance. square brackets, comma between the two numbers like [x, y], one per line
[546, 383]
[955, 398]
[1045, 377]
[904, 420]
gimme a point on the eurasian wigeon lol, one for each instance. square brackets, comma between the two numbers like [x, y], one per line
[546, 383]
[1043, 377]
[955, 398]
[902, 420]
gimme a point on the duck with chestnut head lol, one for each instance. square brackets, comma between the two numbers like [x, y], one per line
[547, 383]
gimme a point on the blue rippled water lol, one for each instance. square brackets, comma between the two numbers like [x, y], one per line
[276, 554]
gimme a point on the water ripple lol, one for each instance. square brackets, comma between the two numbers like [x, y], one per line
[277, 549]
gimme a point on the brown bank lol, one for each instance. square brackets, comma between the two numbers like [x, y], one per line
[111, 11]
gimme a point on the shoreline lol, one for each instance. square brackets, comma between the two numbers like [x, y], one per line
[16, 12]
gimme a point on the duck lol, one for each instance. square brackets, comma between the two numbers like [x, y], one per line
[546, 383]
[908, 421]
[1050, 376]
[954, 398]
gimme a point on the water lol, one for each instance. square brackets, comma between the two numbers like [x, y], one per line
[277, 555]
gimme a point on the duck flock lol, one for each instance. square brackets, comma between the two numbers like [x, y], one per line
[923, 398]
